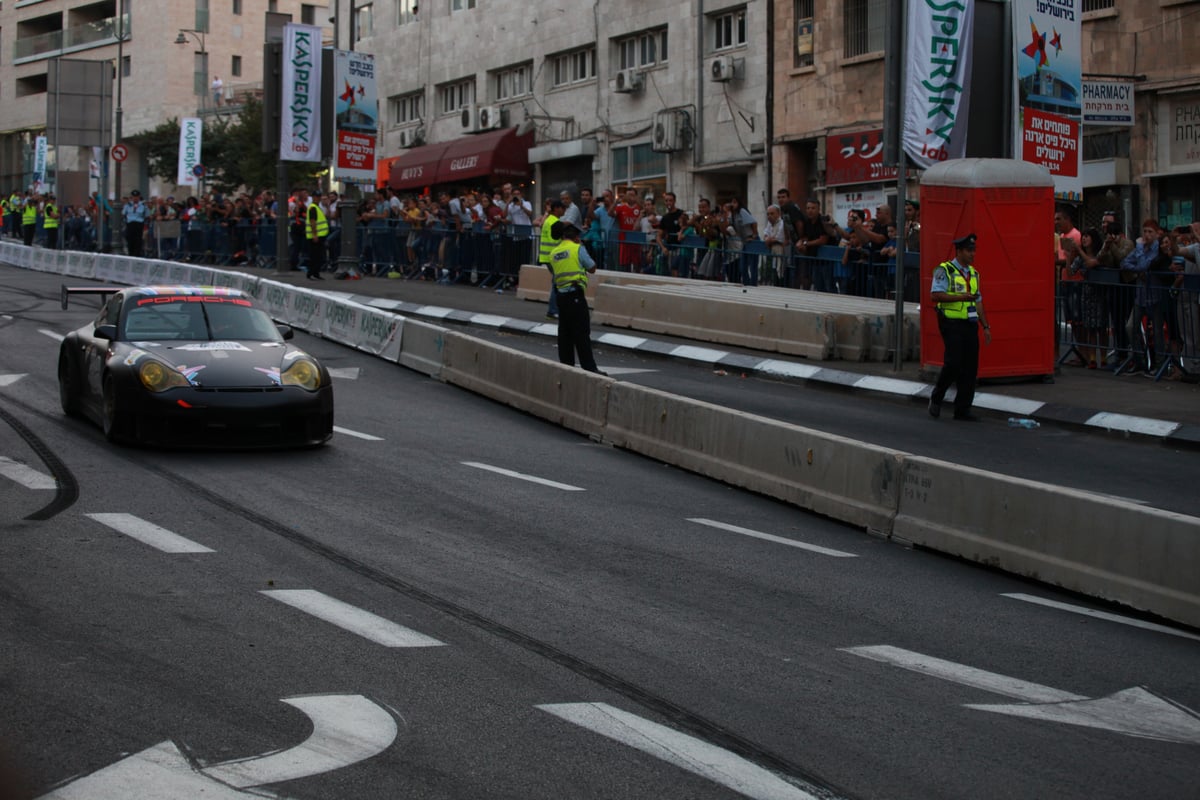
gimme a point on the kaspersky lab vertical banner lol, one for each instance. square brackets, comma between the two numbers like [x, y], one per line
[1048, 38]
[300, 123]
[356, 116]
[190, 134]
[937, 89]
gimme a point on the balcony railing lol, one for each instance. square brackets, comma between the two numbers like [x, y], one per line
[92, 34]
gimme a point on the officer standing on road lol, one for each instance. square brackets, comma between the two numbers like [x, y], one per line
[960, 313]
[50, 222]
[135, 223]
[570, 263]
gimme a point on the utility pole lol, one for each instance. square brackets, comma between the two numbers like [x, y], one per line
[118, 131]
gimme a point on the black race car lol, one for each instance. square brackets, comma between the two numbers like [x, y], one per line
[193, 365]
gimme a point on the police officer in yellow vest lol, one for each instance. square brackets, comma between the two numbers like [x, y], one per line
[50, 222]
[570, 265]
[29, 218]
[315, 231]
[12, 218]
[547, 243]
[4, 212]
[955, 291]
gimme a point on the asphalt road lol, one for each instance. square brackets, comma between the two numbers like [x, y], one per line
[633, 632]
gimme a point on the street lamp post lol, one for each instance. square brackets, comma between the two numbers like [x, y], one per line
[198, 36]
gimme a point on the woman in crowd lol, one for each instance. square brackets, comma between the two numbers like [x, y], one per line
[1093, 312]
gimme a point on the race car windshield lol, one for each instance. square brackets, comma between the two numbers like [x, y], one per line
[197, 319]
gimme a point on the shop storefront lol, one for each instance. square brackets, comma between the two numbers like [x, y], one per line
[1176, 186]
[483, 161]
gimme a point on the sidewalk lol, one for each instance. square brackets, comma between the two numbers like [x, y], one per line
[1082, 398]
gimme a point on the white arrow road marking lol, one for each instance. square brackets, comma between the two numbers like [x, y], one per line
[683, 751]
[356, 434]
[772, 538]
[345, 373]
[149, 533]
[1091, 612]
[346, 729]
[351, 618]
[58, 337]
[566, 487]
[9, 380]
[27, 476]
[1133, 712]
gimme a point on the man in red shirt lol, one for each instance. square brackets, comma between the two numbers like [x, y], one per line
[628, 214]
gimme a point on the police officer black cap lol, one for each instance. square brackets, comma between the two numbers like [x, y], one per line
[562, 229]
[965, 243]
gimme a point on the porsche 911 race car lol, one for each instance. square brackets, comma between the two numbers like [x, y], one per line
[193, 365]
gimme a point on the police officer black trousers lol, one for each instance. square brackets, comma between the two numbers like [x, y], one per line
[960, 365]
[575, 330]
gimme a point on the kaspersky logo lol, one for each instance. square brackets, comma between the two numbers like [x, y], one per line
[302, 94]
[943, 84]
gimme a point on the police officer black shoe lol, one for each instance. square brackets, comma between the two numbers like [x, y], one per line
[935, 409]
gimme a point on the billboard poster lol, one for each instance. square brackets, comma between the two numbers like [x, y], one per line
[191, 132]
[1108, 102]
[40, 156]
[936, 98]
[300, 123]
[1047, 37]
[356, 116]
[856, 158]
[865, 200]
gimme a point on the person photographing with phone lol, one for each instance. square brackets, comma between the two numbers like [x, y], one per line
[960, 314]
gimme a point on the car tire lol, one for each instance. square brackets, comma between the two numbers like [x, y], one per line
[113, 419]
[68, 387]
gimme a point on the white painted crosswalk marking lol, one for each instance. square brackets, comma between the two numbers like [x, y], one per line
[566, 487]
[149, 533]
[27, 476]
[58, 337]
[1104, 615]
[9, 380]
[825, 551]
[351, 618]
[683, 751]
[356, 434]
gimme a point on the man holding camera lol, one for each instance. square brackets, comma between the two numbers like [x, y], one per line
[1117, 246]
[955, 290]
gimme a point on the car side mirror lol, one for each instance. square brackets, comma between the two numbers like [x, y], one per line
[285, 331]
[108, 332]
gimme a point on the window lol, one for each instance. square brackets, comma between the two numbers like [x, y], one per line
[862, 23]
[455, 96]
[512, 82]
[126, 66]
[1098, 5]
[729, 30]
[364, 21]
[235, 67]
[462, 5]
[201, 16]
[407, 108]
[643, 49]
[575, 67]
[406, 11]
[640, 167]
[237, 8]
[308, 14]
[803, 56]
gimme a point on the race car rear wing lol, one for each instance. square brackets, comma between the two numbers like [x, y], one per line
[103, 291]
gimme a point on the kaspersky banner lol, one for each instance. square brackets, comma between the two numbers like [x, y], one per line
[356, 116]
[936, 101]
[1047, 35]
[300, 124]
[190, 135]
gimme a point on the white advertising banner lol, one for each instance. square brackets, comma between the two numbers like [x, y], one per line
[41, 151]
[937, 94]
[300, 126]
[356, 116]
[191, 131]
[865, 200]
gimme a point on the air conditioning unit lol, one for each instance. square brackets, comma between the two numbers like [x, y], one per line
[671, 131]
[627, 81]
[469, 116]
[412, 137]
[722, 69]
[489, 118]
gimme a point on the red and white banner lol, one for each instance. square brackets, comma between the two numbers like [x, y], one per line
[300, 124]
[856, 157]
[356, 116]
[937, 95]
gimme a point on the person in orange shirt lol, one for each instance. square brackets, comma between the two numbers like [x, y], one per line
[1070, 283]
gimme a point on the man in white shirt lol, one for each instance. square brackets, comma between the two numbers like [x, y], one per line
[519, 209]
[571, 211]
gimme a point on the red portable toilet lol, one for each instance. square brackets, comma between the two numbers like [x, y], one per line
[1009, 206]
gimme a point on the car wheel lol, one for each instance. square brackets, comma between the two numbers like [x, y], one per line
[114, 418]
[68, 388]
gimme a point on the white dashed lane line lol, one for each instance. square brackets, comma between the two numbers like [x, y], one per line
[351, 618]
[27, 476]
[58, 337]
[149, 533]
[825, 551]
[347, 432]
[566, 487]
[9, 380]
[1104, 615]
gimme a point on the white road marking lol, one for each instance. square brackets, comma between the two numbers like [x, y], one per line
[27, 476]
[686, 752]
[160, 772]
[6, 317]
[1089, 612]
[58, 337]
[704, 355]
[624, 370]
[351, 618]
[488, 320]
[566, 487]
[149, 533]
[967, 676]
[345, 373]
[771, 538]
[346, 729]
[788, 369]
[1125, 422]
[619, 340]
[9, 380]
[356, 434]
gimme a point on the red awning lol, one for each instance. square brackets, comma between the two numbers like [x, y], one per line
[500, 154]
[416, 168]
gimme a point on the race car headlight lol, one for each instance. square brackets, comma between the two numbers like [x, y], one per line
[158, 377]
[303, 374]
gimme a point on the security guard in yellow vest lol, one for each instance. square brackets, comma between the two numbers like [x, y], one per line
[547, 243]
[315, 231]
[570, 264]
[29, 218]
[955, 291]
[50, 222]
[12, 218]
